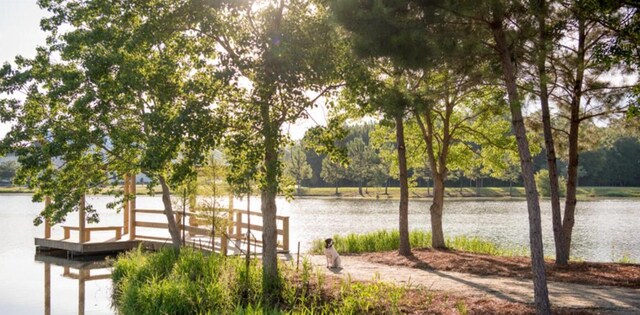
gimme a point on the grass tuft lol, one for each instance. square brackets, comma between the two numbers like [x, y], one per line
[384, 240]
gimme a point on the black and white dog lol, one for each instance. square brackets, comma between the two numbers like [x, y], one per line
[333, 259]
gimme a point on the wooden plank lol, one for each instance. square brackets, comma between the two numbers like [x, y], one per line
[258, 228]
[155, 225]
[168, 239]
[76, 276]
[258, 214]
[285, 234]
[81, 220]
[197, 230]
[87, 248]
[132, 205]
[152, 211]
[47, 224]
[125, 216]
[93, 228]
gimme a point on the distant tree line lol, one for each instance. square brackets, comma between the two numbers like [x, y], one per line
[615, 161]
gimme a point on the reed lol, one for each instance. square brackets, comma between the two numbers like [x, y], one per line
[384, 240]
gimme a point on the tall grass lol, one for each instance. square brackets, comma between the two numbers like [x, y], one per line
[193, 283]
[384, 240]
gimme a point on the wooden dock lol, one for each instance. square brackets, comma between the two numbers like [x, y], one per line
[87, 248]
[149, 227]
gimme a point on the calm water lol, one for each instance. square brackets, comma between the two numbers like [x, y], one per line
[605, 230]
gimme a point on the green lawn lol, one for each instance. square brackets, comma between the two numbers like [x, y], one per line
[491, 192]
[420, 192]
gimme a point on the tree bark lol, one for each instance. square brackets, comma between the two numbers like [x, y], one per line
[405, 247]
[336, 188]
[268, 206]
[360, 189]
[437, 233]
[541, 293]
[554, 186]
[572, 168]
[168, 211]
[439, 171]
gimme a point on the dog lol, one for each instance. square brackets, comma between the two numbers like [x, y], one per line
[333, 259]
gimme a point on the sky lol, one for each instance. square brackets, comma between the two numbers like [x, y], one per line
[20, 34]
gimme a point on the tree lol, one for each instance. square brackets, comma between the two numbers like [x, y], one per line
[581, 92]
[362, 162]
[211, 176]
[8, 170]
[284, 56]
[128, 95]
[297, 166]
[379, 88]
[332, 172]
[405, 30]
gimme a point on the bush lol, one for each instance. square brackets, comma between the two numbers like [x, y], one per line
[544, 186]
[194, 283]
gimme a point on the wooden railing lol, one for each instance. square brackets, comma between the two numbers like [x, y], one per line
[234, 233]
[197, 224]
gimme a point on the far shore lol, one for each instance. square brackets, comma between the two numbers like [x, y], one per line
[417, 193]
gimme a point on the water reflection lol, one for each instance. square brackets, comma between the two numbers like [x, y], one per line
[82, 270]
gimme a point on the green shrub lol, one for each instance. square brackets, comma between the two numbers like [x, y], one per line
[194, 283]
[544, 186]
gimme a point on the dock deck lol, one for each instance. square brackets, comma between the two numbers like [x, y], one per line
[86, 248]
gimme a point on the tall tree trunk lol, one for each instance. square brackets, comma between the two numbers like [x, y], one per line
[268, 207]
[572, 168]
[336, 188]
[386, 185]
[405, 247]
[168, 211]
[439, 171]
[556, 218]
[437, 233]
[298, 187]
[541, 293]
[360, 189]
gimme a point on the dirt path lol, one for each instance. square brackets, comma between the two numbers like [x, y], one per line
[610, 300]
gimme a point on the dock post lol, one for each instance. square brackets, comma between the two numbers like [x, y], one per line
[125, 218]
[132, 208]
[285, 234]
[238, 234]
[47, 288]
[81, 220]
[81, 290]
[47, 223]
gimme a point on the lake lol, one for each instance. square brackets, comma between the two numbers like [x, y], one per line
[605, 230]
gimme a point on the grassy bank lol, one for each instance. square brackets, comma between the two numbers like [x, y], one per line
[194, 283]
[415, 193]
[483, 192]
[384, 240]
